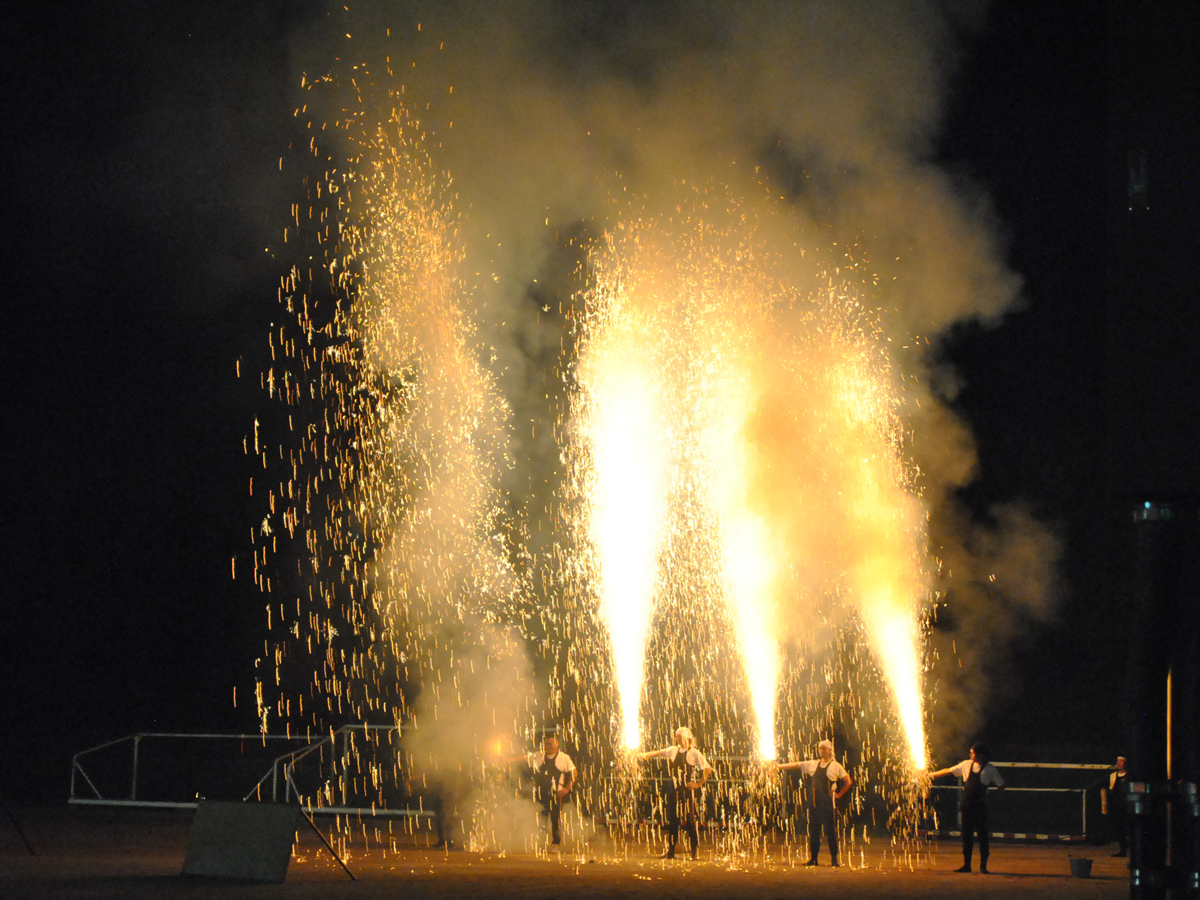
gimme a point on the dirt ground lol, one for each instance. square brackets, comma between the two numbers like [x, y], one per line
[133, 853]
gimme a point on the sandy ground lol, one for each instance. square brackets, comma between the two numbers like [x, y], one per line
[127, 853]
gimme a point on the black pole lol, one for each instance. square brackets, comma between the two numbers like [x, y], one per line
[1185, 714]
[1146, 695]
[1161, 702]
[328, 846]
[308, 818]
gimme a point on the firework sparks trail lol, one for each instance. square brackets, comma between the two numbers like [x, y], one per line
[698, 337]
[625, 430]
[747, 559]
[887, 524]
[747, 569]
[892, 631]
[888, 588]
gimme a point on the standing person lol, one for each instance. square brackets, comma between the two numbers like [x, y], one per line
[554, 777]
[448, 791]
[689, 771]
[1115, 806]
[828, 782]
[976, 774]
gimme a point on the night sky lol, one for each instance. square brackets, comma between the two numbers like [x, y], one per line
[140, 147]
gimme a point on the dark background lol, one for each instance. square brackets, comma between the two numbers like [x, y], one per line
[140, 146]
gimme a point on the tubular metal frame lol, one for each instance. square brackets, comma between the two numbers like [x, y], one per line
[282, 770]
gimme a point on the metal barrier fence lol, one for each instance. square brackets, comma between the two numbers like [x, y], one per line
[166, 769]
[176, 771]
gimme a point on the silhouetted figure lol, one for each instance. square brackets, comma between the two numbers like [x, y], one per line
[1115, 806]
[444, 803]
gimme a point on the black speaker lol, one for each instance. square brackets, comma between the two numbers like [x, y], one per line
[247, 841]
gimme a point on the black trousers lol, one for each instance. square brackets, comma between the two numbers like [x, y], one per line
[682, 808]
[1118, 823]
[551, 810]
[822, 819]
[442, 803]
[975, 823]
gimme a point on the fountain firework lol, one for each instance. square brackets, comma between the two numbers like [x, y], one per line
[696, 312]
[730, 530]
[627, 435]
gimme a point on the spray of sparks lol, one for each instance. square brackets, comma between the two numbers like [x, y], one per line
[738, 544]
[625, 425]
[688, 340]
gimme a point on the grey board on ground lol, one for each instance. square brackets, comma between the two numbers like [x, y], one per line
[242, 841]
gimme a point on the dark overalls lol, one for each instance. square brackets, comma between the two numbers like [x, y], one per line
[820, 813]
[1117, 813]
[975, 816]
[547, 779]
[682, 804]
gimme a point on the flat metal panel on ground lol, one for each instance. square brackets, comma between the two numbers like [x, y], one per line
[246, 841]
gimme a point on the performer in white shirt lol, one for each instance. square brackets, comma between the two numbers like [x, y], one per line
[828, 782]
[684, 801]
[976, 774]
[554, 777]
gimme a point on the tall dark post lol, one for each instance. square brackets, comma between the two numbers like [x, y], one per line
[1185, 715]
[1152, 409]
[1162, 703]
[1188, 838]
[1146, 696]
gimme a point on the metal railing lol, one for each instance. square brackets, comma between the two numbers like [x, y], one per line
[126, 777]
[1034, 819]
[107, 798]
[1041, 801]
[283, 772]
